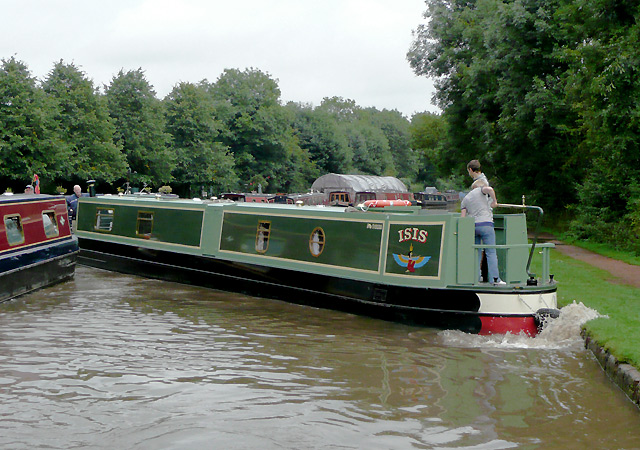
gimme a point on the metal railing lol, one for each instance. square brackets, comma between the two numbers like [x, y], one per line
[546, 258]
[537, 230]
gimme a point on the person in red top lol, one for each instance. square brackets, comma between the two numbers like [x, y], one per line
[36, 184]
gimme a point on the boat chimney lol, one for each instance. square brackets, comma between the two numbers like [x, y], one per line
[92, 188]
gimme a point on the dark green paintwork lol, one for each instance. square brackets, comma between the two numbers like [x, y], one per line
[357, 245]
[350, 244]
[405, 238]
[176, 226]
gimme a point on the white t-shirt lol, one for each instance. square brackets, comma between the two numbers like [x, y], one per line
[477, 206]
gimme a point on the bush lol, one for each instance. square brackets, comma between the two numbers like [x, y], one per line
[621, 235]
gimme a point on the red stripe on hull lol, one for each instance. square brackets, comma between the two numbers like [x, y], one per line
[513, 325]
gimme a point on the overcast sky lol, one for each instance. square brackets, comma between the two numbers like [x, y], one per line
[355, 49]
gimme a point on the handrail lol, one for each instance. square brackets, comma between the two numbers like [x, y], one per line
[545, 275]
[535, 235]
[508, 246]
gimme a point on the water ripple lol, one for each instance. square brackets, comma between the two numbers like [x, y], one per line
[111, 361]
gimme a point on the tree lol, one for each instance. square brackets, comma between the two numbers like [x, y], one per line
[546, 92]
[30, 141]
[258, 131]
[86, 128]
[370, 149]
[428, 134]
[395, 128]
[603, 87]
[140, 128]
[368, 143]
[202, 160]
[501, 87]
[319, 133]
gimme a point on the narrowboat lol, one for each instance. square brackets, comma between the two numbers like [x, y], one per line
[333, 190]
[431, 198]
[307, 198]
[37, 248]
[250, 197]
[400, 263]
[352, 190]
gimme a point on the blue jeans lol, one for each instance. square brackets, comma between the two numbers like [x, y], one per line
[485, 234]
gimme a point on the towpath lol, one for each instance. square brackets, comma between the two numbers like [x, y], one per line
[621, 272]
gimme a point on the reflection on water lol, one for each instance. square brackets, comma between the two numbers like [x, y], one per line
[112, 361]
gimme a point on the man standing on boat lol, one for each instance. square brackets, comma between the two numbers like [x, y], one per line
[72, 203]
[475, 171]
[478, 204]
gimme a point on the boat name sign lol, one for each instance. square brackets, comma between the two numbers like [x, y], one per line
[413, 234]
[416, 251]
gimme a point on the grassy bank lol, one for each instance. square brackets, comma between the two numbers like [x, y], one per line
[581, 282]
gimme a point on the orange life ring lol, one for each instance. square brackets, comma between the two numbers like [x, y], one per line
[383, 203]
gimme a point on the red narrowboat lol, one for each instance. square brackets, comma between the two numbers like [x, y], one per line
[37, 248]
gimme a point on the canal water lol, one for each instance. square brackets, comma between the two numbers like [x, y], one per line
[110, 361]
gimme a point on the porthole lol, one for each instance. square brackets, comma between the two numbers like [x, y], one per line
[316, 242]
[262, 236]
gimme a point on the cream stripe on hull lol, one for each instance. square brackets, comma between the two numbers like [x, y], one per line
[516, 303]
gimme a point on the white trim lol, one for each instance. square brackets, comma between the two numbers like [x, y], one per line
[516, 302]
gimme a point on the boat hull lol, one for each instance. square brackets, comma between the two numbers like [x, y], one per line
[460, 309]
[37, 268]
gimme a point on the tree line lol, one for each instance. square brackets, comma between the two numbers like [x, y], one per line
[229, 135]
[546, 94]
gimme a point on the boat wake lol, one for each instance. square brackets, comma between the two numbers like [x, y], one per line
[560, 333]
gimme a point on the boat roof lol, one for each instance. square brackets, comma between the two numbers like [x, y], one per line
[196, 203]
[358, 183]
[13, 198]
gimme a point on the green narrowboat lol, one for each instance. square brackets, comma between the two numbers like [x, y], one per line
[396, 263]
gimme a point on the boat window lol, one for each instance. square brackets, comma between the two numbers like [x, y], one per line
[339, 197]
[316, 242]
[362, 197]
[13, 227]
[262, 237]
[104, 219]
[145, 224]
[50, 224]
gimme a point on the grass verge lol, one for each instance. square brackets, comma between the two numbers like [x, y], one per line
[581, 282]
